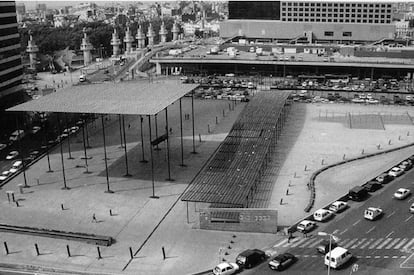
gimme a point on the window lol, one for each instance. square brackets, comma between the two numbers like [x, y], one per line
[347, 34]
[328, 33]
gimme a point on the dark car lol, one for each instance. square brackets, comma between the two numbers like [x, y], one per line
[282, 261]
[323, 246]
[384, 178]
[250, 258]
[357, 193]
[372, 186]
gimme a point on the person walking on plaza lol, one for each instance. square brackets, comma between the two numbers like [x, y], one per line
[94, 218]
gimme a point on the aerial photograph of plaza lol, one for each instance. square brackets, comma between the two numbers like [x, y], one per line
[206, 137]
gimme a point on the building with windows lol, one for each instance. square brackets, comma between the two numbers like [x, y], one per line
[310, 21]
[11, 69]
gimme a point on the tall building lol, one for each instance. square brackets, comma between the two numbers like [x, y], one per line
[320, 21]
[11, 69]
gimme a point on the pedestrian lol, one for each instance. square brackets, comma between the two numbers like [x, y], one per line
[94, 218]
[170, 131]
[290, 237]
[129, 126]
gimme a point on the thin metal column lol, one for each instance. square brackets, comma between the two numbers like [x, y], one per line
[127, 174]
[68, 133]
[142, 141]
[84, 148]
[87, 135]
[192, 114]
[21, 151]
[47, 147]
[65, 187]
[181, 131]
[120, 130]
[156, 132]
[108, 190]
[152, 160]
[168, 145]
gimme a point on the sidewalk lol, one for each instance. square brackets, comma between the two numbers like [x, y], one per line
[147, 225]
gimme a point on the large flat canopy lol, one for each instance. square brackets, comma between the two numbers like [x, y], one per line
[126, 98]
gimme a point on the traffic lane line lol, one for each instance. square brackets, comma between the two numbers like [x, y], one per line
[372, 228]
[389, 234]
[346, 229]
[407, 219]
[355, 223]
[392, 213]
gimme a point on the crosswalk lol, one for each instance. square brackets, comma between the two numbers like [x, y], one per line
[403, 244]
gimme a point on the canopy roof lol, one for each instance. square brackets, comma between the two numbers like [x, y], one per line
[127, 98]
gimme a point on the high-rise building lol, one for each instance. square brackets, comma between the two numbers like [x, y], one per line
[11, 69]
[315, 20]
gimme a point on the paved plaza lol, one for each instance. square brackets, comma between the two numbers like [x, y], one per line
[148, 225]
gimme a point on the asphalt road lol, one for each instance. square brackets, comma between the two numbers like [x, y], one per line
[383, 246]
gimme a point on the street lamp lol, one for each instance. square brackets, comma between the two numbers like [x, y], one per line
[331, 236]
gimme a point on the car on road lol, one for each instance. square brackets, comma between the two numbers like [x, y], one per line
[306, 226]
[357, 193]
[372, 213]
[321, 215]
[74, 129]
[406, 165]
[282, 261]
[17, 164]
[2, 146]
[384, 178]
[372, 186]
[338, 206]
[36, 129]
[324, 246]
[12, 155]
[250, 258]
[412, 208]
[337, 257]
[4, 175]
[226, 269]
[396, 172]
[402, 193]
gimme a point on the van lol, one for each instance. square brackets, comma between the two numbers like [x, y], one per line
[357, 193]
[250, 258]
[17, 135]
[372, 213]
[337, 257]
[322, 215]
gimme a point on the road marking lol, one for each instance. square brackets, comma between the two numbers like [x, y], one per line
[384, 243]
[394, 257]
[408, 245]
[336, 231]
[291, 242]
[367, 243]
[403, 257]
[280, 243]
[375, 243]
[355, 223]
[368, 257]
[343, 241]
[299, 242]
[407, 219]
[386, 257]
[314, 243]
[343, 231]
[358, 243]
[392, 213]
[305, 244]
[377, 257]
[392, 243]
[372, 228]
[401, 243]
[412, 198]
[392, 232]
[350, 243]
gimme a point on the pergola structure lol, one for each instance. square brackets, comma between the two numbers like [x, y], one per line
[125, 98]
[232, 175]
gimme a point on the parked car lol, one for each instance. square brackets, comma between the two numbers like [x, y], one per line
[372, 186]
[12, 155]
[322, 215]
[372, 213]
[34, 153]
[323, 246]
[250, 258]
[405, 165]
[282, 261]
[225, 269]
[17, 135]
[357, 193]
[17, 164]
[338, 206]
[402, 193]
[396, 172]
[306, 226]
[36, 129]
[412, 208]
[384, 178]
[2, 146]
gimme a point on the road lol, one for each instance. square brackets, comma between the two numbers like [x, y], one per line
[383, 246]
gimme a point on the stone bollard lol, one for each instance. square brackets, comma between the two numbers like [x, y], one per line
[20, 188]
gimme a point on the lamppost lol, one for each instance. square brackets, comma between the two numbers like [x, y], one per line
[331, 236]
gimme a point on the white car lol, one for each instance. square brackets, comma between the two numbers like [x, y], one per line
[17, 164]
[2, 146]
[225, 268]
[412, 208]
[402, 193]
[12, 155]
[321, 215]
[36, 129]
[396, 172]
[372, 213]
[305, 226]
[338, 206]
[13, 170]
